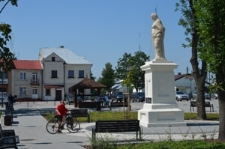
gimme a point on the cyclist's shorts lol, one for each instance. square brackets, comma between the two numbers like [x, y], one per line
[59, 118]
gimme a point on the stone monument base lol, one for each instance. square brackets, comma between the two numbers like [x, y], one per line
[161, 116]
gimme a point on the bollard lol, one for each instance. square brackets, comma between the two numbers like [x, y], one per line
[7, 120]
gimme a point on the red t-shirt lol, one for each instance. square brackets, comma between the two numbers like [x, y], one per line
[62, 109]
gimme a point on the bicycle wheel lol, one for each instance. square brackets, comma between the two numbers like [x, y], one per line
[73, 125]
[52, 126]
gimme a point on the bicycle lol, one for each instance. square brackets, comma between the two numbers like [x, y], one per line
[72, 124]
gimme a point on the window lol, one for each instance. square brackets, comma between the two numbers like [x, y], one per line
[54, 73]
[3, 75]
[22, 90]
[22, 76]
[53, 58]
[81, 74]
[47, 92]
[70, 74]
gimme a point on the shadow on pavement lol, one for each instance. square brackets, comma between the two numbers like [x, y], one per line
[32, 112]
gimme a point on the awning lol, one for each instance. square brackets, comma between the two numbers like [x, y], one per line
[116, 86]
[53, 86]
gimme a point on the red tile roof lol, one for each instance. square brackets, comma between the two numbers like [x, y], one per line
[27, 64]
[179, 76]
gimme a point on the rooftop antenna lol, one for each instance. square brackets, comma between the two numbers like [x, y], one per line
[139, 43]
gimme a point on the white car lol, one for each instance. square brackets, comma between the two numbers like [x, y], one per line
[181, 96]
[215, 95]
[206, 95]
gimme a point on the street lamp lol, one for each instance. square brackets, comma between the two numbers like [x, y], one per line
[190, 78]
[127, 112]
[139, 78]
[2, 84]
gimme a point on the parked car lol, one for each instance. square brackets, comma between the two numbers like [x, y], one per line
[195, 95]
[137, 97]
[190, 95]
[118, 96]
[181, 96]
[215, 95]
[207, 96]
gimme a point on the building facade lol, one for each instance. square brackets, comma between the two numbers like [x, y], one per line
[61, 69]
[25, 78]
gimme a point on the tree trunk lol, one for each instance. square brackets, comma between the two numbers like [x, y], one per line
[200, 101]
[198, 74]
[199, 77]
[221, 95]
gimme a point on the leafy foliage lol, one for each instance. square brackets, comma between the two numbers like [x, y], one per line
[5, 29]
[92, 77]
[190, 23]
[210, 15]
[212, 29]
[128, 69]
[107, 76]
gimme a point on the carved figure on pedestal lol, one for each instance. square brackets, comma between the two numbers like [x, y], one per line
[158, 32]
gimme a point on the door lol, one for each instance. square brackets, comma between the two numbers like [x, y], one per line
[58, 95]
[34, 93]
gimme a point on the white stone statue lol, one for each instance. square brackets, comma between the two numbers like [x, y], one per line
[158, 32]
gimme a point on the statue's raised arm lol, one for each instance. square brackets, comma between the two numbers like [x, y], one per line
[158, 33]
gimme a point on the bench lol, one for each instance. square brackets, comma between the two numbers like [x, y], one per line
[8, 139]
[118, 104]
[116, 126]
[207, 104]
[88, 104]
[80, 113]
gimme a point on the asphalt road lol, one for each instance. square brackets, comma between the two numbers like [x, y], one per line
[135, 106]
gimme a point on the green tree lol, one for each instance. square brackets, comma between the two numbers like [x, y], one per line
[136, 75]
[195, 42]
[92, 77]
[211, 18]
[128, 69]
[5, 29]
[107, 76]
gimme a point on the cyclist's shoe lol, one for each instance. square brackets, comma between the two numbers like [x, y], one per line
[59, 131]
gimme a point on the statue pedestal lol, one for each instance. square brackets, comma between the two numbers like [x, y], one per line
[162, 109]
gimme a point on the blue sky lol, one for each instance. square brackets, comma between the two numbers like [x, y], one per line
[100, 30]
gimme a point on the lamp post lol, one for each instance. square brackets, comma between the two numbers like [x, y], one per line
[127, 111]
[139, 78]
[2, 83]
[190, 78]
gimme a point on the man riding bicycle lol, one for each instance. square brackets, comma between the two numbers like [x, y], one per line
[61, 111]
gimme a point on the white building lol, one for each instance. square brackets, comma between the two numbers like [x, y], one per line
[185, 83]
[61, 69]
